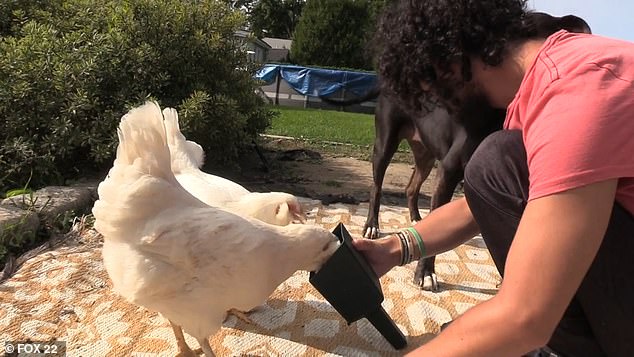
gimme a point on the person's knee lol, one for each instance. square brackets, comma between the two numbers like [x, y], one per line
[495, 158]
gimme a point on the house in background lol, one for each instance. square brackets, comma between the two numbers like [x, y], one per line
[257, 50]
[280, 48]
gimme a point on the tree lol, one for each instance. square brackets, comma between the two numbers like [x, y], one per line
[275, 18]
[336, 33]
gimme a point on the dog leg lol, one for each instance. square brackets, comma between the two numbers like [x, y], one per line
[428, 272]
[386, 142]
[411, 191]
[424, 161]
[448, 178]
[379, 166]
[425, 274]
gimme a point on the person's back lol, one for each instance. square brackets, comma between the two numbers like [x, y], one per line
[575, 108]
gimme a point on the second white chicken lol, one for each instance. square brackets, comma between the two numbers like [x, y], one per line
[187, 157]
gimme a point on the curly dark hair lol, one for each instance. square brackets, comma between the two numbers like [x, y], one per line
[419, 39]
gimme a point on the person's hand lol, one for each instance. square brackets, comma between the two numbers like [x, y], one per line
[383, 254]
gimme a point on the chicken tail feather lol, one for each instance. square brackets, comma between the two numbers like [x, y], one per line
[140, 176]
[185, 153]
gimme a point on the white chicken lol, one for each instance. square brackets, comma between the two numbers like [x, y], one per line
[171, 253]
[187, 157]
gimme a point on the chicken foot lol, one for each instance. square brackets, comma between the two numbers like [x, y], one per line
[240, 315]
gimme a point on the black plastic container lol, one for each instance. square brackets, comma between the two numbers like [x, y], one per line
[350, 285]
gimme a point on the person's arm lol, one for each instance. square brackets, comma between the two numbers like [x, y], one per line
[443, 229]
[556, 242]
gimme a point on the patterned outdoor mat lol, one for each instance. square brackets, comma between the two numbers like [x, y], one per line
[65, 295]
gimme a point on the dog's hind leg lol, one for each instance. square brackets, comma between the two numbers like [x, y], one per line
[424, 162]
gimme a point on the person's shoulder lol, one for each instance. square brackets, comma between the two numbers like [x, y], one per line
[570, 54]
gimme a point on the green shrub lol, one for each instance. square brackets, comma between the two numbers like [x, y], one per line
[336, 33]
[70, 69]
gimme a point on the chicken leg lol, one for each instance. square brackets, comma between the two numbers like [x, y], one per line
[183, 348]
[204, 345]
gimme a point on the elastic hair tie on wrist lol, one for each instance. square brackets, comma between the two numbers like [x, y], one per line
[419, 241]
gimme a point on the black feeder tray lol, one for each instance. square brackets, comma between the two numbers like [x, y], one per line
[350, 285]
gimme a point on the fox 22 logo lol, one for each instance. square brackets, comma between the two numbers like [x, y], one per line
[35, 348]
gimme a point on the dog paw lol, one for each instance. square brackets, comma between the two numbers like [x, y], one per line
[371, 233]
[430, 283]
[417, 281]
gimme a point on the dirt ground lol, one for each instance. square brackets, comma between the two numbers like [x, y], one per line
[325, 176]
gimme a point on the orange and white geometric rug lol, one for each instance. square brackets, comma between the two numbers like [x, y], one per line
[65, 295]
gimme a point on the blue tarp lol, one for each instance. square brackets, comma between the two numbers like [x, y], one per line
[316, 82]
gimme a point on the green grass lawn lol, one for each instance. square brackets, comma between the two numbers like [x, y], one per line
[324, 125]
[319, 129]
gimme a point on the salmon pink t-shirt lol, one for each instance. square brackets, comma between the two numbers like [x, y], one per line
[575, 108]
